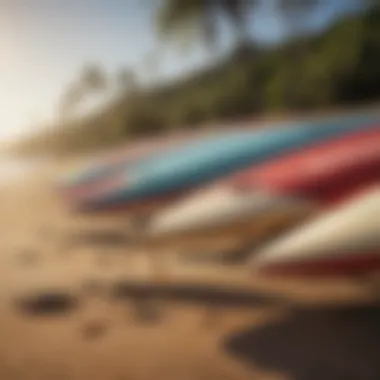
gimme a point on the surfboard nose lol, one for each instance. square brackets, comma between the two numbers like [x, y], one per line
[344, 241]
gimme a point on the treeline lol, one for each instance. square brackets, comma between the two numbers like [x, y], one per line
[339, 67]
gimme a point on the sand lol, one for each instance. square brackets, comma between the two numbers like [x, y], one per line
[101, 309]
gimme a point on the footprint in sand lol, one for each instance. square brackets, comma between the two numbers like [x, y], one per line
[28, 256]
[94, 329]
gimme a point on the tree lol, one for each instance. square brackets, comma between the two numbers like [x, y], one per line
[197, 19]
[93, 78]
[70, 100]
[294, 13]
[126, 80]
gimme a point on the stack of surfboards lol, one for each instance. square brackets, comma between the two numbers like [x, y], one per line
[171, 175]
[90, 175]
[263, 200]
[116, 178]
[342, 242]
[80, 181]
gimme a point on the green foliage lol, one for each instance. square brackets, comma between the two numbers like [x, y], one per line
[337, 67]
[93, 78]
[197, 20]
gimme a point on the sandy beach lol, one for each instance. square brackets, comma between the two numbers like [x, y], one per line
[72, 307]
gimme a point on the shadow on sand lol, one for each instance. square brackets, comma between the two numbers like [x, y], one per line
[329, 344]
[46, 303]
[225, 257]
[194, 293]
[99, 238]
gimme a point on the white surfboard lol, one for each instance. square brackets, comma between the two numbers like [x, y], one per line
[219, 206]
[349, 234]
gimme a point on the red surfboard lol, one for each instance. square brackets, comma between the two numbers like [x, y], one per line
[327, 172]
[323, 174]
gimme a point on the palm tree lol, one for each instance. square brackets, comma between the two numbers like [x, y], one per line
[93, 78]
[70, 100]
[294, 12]
[196, 19]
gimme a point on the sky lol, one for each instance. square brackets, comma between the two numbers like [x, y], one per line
[45, 43]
